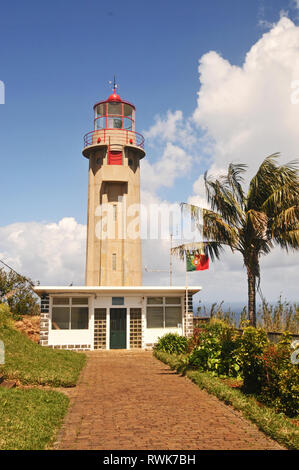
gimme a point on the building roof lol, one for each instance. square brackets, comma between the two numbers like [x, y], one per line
[119, 289]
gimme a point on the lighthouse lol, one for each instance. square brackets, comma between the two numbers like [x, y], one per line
[114, 150]
[113, 310]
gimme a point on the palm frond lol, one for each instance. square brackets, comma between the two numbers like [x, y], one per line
[288, 240]
[257, 224]
[222, 200]
[216, 229]
[261, 184]
[234, 179]
[210, 249]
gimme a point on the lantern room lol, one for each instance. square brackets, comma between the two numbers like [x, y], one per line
[114, 126]
[114, 113]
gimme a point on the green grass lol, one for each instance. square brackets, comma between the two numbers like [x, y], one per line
[29, 418]
[31, 363]
[276, 425]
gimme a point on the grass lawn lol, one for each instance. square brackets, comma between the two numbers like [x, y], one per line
[29, 418]
[276, 425]
[31, 363]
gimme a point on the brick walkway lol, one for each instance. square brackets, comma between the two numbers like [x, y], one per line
[130, 400]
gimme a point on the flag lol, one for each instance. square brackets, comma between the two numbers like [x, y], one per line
[196, 262]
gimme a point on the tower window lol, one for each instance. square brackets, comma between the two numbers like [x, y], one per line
[113, 261]
[115, 212]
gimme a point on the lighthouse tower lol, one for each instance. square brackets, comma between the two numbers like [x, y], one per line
[114, 150]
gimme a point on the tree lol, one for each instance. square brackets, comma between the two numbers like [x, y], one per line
[17, 292]
[251, 223]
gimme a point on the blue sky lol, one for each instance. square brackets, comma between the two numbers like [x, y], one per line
[56, 59]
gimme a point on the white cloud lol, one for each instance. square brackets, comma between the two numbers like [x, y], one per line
[174, 163]
[53, 253]
[173, 128]
[246, 112]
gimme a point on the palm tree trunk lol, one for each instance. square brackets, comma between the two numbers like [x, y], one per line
[251, 296]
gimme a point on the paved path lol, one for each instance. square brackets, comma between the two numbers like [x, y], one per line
[130, 400]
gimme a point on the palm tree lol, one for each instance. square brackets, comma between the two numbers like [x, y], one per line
[251, 223]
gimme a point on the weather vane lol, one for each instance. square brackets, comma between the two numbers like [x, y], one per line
[114, 84]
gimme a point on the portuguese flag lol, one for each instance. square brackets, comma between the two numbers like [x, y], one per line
[196, 262]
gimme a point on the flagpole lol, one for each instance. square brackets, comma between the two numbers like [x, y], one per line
[186, 282]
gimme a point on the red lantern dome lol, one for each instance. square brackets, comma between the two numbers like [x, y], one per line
[114, 97]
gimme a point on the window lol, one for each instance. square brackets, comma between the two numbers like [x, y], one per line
[115, 212]
[79, 318]
[70, 313]
[155, 317]
[101, 109]
[173, 316]
[113, 261]
[154, 300]
[101, 123]
[60, 318]
[164, 312]
[114, 123]
[118, 301]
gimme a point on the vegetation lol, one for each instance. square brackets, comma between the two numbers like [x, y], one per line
[276, 425]
[172, 343]
[29, 418]
[215, 350]
[17, 292]
[250, 223]
[283, 316]
[31, 363]
[265, 369]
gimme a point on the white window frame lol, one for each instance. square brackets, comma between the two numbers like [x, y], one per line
[163, 305]
[70, 297]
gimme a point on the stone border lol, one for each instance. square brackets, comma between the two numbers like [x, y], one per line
[188, 315]
[44, 319]
[71, 347]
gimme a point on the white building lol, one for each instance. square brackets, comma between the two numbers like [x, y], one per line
[113, 317]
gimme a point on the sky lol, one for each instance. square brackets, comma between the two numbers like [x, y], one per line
[212, 84]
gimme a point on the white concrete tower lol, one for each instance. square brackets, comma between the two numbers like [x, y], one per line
[114, 150]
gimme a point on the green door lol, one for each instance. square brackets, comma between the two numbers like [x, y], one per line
[118, 323]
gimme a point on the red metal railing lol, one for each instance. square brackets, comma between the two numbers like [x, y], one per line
[114, 136]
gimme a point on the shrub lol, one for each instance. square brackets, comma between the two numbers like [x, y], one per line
[196, 339]
[214, 351]
[17, 292]
[280, 387]
[252, 345]
[5, 316]
[172, 343]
